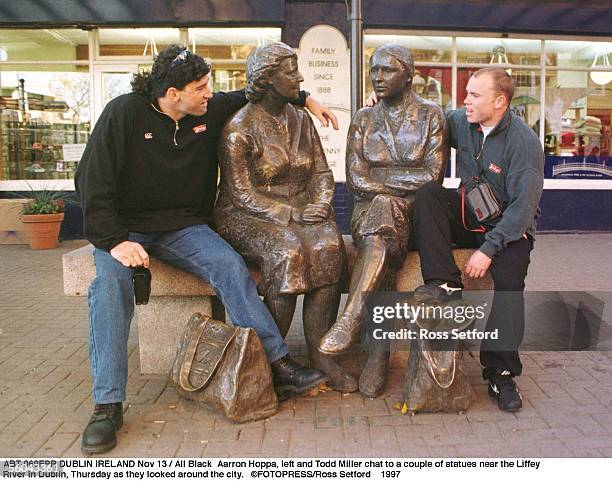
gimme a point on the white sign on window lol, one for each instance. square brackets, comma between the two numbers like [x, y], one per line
[324, 61]
[73, 152]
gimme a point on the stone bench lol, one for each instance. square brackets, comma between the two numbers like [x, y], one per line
[176, 295]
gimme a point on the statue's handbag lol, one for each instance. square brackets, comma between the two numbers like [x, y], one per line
[480, 199]
[226, 368]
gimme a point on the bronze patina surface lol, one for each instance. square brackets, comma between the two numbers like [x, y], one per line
[274, 204]
[392, 150]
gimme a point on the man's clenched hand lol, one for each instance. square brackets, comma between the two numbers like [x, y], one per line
[131, 254]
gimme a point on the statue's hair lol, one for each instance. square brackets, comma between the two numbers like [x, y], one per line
[262, 64]
[164, 75]
[398, 52]
[502, 81]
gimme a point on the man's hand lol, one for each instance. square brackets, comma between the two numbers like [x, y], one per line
[131, 254]
[477, 265]
[372, 100]
[321, 112]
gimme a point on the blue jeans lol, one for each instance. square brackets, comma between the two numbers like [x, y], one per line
[197, 249]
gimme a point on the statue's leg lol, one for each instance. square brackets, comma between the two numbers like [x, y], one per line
[320, 309]
[374, 374]
[281, 308]
[368, 274]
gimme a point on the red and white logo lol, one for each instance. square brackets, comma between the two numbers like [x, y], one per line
[200, 128]
[495, 168]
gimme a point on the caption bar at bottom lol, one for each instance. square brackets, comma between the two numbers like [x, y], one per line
[246, 469]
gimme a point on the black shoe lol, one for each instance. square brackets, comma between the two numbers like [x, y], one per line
[99, 435]
[437, 291]
[503, 388]
[292, 378]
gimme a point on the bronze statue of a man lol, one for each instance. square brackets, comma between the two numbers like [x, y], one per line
[274, 204]
[392, 150]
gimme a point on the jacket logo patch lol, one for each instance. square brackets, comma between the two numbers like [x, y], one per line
[200, 128]
[148, 135]
[495, 168]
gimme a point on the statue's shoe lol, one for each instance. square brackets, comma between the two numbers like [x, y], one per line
[339, 379]
[341, 336]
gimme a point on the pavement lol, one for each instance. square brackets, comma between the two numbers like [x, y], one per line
[45, 386]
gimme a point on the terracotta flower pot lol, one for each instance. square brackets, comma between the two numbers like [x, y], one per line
[42, 230]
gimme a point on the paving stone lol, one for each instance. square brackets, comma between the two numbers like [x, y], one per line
[57, 445]
[355, 422]
[275, 443]
[251, 433]
[606, 451]
[191, 450]
[303, 448]
[409, 451]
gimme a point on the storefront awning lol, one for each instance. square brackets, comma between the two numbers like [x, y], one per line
[588, 17]
[139, 12]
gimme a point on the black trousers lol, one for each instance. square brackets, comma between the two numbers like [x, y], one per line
[437, 226]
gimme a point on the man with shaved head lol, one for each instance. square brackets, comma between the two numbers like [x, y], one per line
[502, 151]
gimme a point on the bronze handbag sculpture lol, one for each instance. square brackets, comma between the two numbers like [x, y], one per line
[435, 379]
[226, 368]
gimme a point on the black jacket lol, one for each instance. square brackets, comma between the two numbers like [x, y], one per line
[142, 171]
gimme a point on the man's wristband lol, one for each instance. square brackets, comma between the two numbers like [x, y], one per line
[304, 94]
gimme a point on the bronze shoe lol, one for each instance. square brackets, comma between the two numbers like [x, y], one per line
[341, 336]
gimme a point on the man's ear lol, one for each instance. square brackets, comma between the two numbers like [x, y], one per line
[501, 102]
[173, 94]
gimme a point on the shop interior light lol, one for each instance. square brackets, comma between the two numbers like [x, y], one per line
[601, 78]
[150, 43]
[498, 56]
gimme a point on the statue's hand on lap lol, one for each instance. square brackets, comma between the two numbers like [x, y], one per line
[312, 213]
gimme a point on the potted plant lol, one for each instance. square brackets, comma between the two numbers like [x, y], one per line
[42, 217]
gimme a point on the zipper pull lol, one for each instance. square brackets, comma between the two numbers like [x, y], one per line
[176, 128]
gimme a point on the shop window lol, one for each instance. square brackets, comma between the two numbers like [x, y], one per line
[578, 126]
[44, 112]
[432, 83]
[526, 100]
[564, 53]
[424, 49]
[228, 49]
[43, 45]
[477, 50]
[132, 42]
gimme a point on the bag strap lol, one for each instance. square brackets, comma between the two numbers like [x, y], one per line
[480, 229]
[190, 353]
[430, 365]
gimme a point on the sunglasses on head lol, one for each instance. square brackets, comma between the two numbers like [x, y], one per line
[181, 57]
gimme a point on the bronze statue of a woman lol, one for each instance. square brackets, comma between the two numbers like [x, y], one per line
[392, 150]
[274, 204]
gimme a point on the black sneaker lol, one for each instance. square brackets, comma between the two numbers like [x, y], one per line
[437, 291]
[503, 388]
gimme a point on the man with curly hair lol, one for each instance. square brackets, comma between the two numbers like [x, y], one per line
[147, 183]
